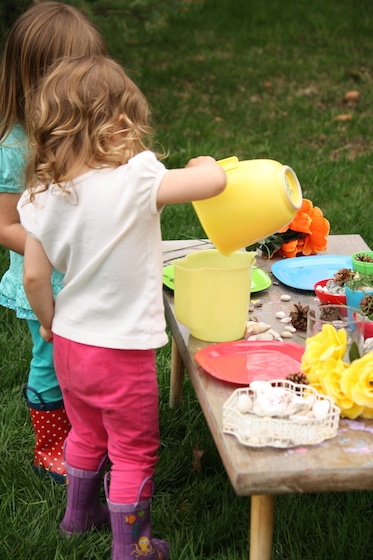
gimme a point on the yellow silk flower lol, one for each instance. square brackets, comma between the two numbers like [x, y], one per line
[357, 381]
[328, 343]
[349, 385]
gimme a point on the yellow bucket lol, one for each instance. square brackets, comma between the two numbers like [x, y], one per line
[261, 197]
[212, 293]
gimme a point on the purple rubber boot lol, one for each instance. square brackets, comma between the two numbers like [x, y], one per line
[84, 509]
[131, 529]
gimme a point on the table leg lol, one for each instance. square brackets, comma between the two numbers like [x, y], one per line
[261, 526]
[177, 376]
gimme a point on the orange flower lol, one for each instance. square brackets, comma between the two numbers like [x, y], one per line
[306, 235]
[309, 221]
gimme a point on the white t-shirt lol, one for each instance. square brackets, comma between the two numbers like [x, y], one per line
[106, 238]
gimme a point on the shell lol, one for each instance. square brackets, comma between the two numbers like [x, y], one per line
[268, 335]
[286, 334]
[252, 327]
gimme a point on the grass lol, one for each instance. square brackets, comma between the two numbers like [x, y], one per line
[252, 79]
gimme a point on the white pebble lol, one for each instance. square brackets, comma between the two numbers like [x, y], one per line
[285, 297]
[290, 328]
[280, 314]
[321, 409]
[286, 334]
[286, 320]
[244, 403]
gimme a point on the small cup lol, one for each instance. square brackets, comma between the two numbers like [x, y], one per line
[340, 317]
[362, 266]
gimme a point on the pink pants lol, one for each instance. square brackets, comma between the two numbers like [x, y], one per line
[111, 398]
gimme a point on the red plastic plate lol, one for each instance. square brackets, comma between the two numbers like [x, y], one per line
[244, 361]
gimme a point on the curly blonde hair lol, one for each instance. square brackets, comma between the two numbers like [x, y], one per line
[86, 112]
[47, 31]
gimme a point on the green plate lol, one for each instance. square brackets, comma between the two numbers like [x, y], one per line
[259, 279]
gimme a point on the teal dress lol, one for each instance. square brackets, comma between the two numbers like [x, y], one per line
[42, 378]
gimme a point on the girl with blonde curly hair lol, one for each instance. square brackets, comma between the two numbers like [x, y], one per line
[92, 211]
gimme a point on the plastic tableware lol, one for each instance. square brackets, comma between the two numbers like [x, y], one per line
[244, 361]
[212, 293]
[327, 297]
[261, 197]
[303, 272]
[362, 266]
[259, 279]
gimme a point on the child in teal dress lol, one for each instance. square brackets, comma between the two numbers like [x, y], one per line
[45, 32]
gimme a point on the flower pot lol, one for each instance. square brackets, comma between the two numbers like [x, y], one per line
[353, 298]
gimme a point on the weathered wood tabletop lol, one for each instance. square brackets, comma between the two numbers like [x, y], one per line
[344, 463]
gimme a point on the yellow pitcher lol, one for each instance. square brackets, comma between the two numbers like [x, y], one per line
[212, 293]
[261, 197]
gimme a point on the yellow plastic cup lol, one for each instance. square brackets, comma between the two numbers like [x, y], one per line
[212, 293]
[261, 197]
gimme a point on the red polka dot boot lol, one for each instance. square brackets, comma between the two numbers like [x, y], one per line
[51, 426]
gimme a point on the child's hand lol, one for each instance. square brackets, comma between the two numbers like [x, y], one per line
[201, 160]
[46, 334]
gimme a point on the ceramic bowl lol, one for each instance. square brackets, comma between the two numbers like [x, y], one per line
[326, 297]
[361, 266]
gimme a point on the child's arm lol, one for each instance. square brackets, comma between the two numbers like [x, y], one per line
[201, 178]
[12, 234]
[38, 287]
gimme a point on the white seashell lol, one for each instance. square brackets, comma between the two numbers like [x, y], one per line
[280, 314]
[253, 327]
[286, 334]
[244, 404]
[286, 320]
[302, 405]
[285, 297]
[276, 335]
[290, 328]
[321, 409]
[273, 402]
[261, 386]
[265, 336]
[368, 345]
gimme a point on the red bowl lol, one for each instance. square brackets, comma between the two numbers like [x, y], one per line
[368, 329]
[324, 297]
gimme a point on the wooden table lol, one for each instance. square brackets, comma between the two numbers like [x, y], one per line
[344, 463]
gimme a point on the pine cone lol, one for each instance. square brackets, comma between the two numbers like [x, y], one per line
[329, 313]
[343, 275]
[298, 377]
[366, 306]
[363, 258]
[299, 316]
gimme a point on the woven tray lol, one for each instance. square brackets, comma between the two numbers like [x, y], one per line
[259, 431]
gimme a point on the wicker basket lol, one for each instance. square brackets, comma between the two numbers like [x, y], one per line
[258, 431]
